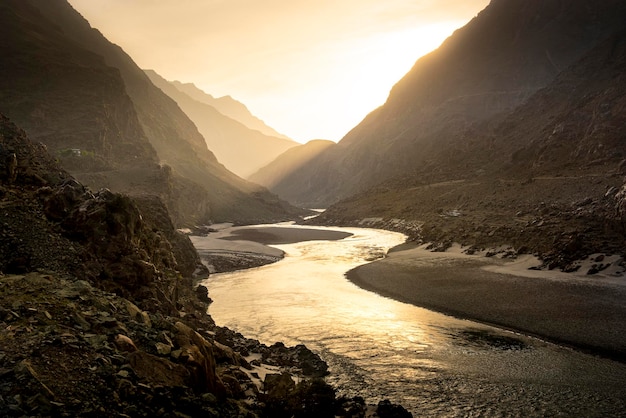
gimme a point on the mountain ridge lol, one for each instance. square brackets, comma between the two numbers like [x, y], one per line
[241, 149]
[275, 175]
[228, 106]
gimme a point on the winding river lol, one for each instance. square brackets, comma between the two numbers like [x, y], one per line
[378, 348]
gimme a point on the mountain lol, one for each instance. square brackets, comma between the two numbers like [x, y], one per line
[490, 66]
[545, 178]
[83, 97]
[241, 149]
[228, 106]
[277, 174]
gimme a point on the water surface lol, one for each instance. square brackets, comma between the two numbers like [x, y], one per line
[378, 348]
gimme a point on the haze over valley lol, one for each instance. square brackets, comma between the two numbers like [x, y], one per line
[487, 183]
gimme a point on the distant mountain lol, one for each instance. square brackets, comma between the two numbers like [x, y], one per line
[83, 97]
[228, 106]
[544, 178]
[241, 149]
[490, 66]
[277, 174]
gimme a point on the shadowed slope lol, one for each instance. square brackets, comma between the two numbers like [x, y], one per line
[276, 176]
[544, 178]
[54, 64]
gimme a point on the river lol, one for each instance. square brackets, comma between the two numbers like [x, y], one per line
[378, 348]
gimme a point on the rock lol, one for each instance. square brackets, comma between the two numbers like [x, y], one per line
[352, 408]
[163, 349]
[225, 354]
[137, 314]
[157, 370]
[203, 294]
[60, 202]
[386, 409]
[25, 369]
[316, 398]
[311, 363]
[123, 343]
[10, 167]
[278, 386]
[233, 386]
[299, 356]
[197, 355]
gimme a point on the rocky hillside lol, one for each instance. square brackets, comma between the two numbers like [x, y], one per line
[100, 317]
[492, 65]
[83, 97]
[544, 178]
[52, 222]
[241, 149]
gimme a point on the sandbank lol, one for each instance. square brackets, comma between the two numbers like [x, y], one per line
[234, 248]
[585, 312]
[276, 235]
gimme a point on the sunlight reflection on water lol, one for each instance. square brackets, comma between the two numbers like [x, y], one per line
[378, 348]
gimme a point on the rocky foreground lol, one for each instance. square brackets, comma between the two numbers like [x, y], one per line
[100, 314]
[70, 349]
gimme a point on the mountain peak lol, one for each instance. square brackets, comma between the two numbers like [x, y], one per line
[228, 106]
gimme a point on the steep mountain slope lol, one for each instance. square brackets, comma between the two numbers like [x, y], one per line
[544, 178]
[228, 106]
[277, 174]
[241, 149]
[493, 64]
[72, 89]
[43, 73]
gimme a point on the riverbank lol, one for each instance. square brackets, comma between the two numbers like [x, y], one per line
[585, 312]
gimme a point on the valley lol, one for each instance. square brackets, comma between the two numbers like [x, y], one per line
[160, 255]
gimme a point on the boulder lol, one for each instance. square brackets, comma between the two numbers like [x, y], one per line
[197, 356]
[386, 409]
[157, 370]
[278, 386]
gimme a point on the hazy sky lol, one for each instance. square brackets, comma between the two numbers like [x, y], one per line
[308, 68]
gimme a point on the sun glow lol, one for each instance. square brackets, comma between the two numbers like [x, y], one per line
[350, 79]
[309, 69]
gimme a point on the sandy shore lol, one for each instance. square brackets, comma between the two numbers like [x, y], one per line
[586, 312]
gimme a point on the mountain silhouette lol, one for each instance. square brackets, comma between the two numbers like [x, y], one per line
[228, 106]
[241, 149]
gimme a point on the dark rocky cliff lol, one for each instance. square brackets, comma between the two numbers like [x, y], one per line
[82, 96]
[52, 222]
[68, 95]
